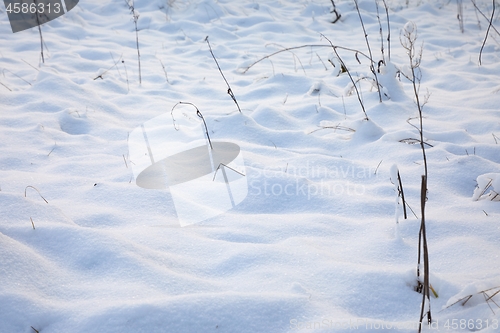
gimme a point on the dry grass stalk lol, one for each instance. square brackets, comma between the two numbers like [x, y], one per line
[350, 76]
[29, 186]
[229, 90]
[490, 24]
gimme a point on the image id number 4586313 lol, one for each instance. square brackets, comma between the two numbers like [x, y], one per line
[32, 8]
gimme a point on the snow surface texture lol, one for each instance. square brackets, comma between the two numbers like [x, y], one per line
[315, 243]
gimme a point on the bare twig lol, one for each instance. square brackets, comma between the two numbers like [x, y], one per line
[402, 193]
[374, 83]
[164, 70]
[490, 297]
[222, 164]
[126, 74]
[229, 90]
[301, 47]
[381, 34]
[125, 160]
[372, 68]
[40, 32]
[5, 86]
[326, 68]
[30, 65]
[487, 31]
[135, 16]
[116, 62]
[487, 298]
[5, 69]
[107, 70]
[295, 58]
[408, 43]
[412, 141]
[375, 172]
[485, 189]
[35, 190]
[50, 152]
[484, 295]
[388, 31]
[348, 73]
[433, 291]
[198, 113]
[425, 289]
[466, 298]
[485, 17]
[338, 127]
[460, 15]
[334, 10]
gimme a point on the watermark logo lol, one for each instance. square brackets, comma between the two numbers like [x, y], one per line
[358, 324]
[205, 178]
[310, 180]
[26, 14]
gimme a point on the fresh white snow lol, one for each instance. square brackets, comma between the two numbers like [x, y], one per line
[320, 243]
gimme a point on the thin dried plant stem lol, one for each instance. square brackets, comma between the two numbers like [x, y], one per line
[485, 17]
[402, 195]
[487, 31]
[415, 60]
[460, 15]
[350, 76]
[372, 68]
[388, 31]
[198, 113]
[468, 297]
[408, 42]
[50, 152]
[5, 86]
[425, 293]
[334, 10]
[484, 295]
[226, 166]
[305, 46]
[30, 65]
[491, 297]
[135, 16]
[379, 163]
[115, 64]
[295, 58]
[381, 33]
[29, 186]
[485, 188]
[39, 32]
[229, 90]
[17, 76]
[126, 75]
[164, 70]
[338, 127]
[433, 291]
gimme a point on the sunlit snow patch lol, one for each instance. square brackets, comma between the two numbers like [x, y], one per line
[205, 178]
